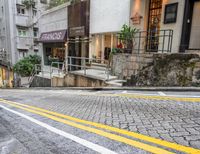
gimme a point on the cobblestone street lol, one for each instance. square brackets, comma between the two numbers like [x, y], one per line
[170, 119]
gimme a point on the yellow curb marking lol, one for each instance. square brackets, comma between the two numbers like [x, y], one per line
[133, 143]
[117, 130]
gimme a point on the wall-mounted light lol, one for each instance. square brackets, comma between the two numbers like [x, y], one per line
[66, 44]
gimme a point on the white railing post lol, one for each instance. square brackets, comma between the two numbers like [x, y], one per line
[70, 63]
[84, 66]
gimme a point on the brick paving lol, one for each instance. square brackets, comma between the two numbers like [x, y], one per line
[168, 120]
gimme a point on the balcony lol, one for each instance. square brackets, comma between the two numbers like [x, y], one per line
[24, 42]
[22, 20]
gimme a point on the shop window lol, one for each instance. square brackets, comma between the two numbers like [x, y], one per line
[21, 10]
[22, 32]
[170, 13]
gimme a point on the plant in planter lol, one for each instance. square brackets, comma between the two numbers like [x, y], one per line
[126, 35]
[29, 3]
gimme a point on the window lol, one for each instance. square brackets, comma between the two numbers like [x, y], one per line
[35, 32]
[22, 53]
[171, 13]
[21, 10]
[34, 12]
[22, 32]
[36, 51]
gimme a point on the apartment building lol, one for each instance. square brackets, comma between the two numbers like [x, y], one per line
[19, 27]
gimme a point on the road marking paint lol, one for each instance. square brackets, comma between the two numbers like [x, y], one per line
[182, 99]
[114, 137]
[117, 130]
[81, 141]
[152, 97]
[124, 92]
[161, 93]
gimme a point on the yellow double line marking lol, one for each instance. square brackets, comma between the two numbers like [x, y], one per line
[170, 98]
[74, 122]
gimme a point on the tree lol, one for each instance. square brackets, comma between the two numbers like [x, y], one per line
[25, 66]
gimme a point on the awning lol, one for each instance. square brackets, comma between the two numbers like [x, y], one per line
[54, 36]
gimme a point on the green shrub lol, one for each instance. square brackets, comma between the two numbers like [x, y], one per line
[25, 66]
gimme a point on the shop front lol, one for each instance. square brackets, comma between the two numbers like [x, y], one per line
[54, 46]
[191, 27]
[78, 34]
[103, 44]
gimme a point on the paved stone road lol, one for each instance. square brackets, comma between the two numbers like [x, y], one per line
[169, 120]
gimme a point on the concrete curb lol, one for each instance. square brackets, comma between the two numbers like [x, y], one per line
[181, 89]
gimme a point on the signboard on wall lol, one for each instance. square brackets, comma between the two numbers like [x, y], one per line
[55, 36]
[170, 13]
[78, 19]
[136, 19]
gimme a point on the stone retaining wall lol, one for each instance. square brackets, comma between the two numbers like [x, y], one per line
[169, 70]
[126, 65]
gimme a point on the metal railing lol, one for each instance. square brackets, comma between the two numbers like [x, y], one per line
[153, 41]
[55, 69]
[83, 63]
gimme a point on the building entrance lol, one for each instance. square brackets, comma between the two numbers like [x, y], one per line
[195, 28]
[155, 10]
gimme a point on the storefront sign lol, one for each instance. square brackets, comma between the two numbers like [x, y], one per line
[78, 19]
[55, 36]
[77, 31]
[136, 19]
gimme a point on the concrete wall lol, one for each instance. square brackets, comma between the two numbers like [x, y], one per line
[108, 15]
[54, 19]
[176, 27]
[73, 80]
[41, 82]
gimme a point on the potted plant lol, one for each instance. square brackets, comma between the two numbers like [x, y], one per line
[126, 35]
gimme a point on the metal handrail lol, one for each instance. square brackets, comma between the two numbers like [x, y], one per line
[84, 67]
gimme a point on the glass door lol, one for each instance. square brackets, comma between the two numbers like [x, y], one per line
[155, 11]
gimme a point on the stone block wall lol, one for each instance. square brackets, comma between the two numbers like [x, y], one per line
[126, 65]
[169, 70]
